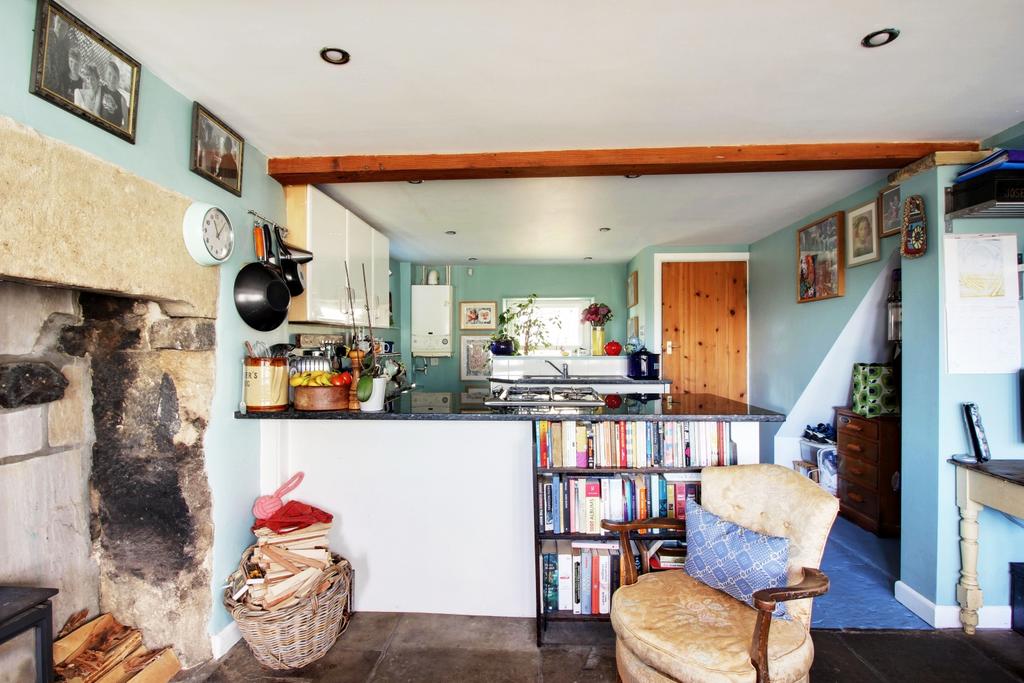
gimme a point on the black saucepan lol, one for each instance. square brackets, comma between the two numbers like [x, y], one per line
[289, 264]
[261, 293]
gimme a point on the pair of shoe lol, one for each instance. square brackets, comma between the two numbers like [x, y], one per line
[821, 433]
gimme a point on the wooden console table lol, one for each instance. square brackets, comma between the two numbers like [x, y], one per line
[998, 484]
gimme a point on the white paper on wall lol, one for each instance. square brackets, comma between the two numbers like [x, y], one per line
[982, 312]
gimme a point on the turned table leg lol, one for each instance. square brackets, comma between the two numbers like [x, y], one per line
[968, 592]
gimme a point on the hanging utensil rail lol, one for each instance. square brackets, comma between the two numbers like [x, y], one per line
[284, 230]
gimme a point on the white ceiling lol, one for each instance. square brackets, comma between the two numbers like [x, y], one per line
[558, 219]
[489, 75]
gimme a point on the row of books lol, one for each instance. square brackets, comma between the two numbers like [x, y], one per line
[572, 504]
[633, 444]
[580, 576]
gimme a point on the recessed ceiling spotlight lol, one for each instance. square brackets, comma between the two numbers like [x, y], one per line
[472, 258]
[631, 175]
[604, 229]
[334, 55]
[588, 258]
[450, 232]
[414, 182]
[880, 38]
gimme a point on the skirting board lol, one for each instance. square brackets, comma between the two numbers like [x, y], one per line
[948, 616]
[223, 641]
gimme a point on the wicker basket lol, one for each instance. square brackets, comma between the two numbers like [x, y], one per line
[292, 637]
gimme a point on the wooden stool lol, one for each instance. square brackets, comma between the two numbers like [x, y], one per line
[24, 608]
[809, 469]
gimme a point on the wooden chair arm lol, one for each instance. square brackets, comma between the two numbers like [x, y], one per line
[813, 584]
[628, 566]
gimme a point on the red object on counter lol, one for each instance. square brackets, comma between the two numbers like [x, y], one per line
[613, 401]
[612, 348]
[293, 515]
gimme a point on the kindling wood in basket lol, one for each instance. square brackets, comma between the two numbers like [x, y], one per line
[297, 629]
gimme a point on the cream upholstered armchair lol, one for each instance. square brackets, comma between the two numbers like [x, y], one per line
[671, 627]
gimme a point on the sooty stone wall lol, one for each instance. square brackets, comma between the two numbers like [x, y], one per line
[151, 505]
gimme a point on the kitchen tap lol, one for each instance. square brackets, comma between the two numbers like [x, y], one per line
[563, 371]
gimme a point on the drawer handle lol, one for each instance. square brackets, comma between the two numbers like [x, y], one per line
[853, 427]
[854, 447]
[855, 497]
[856, 470]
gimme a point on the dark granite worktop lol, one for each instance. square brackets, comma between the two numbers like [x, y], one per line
[667, 408]
[580, 380]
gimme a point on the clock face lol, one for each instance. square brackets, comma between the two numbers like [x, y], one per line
[217, 234]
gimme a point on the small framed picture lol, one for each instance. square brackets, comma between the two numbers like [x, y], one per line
[862, 236]
[890, 214]
[478, 315]
[821, 265]
[217, 152]
[633, 326]
[632, 294]
[475, 357]
[77, 69]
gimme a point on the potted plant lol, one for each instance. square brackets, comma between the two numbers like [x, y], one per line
[520, 321]
[598, 316]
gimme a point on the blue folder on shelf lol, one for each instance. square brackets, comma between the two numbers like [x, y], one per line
[1000, 160]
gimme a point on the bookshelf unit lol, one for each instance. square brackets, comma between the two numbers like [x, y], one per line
[664, 453]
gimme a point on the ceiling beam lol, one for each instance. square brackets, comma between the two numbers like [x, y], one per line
[836, 156]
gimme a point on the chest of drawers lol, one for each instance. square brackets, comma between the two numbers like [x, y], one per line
[869, 471]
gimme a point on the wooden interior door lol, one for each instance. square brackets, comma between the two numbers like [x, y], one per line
[704, 328]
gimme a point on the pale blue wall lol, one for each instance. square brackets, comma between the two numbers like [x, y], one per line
[160, 154]
[605, 282]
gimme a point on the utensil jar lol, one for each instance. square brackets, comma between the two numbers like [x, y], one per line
[266, 384]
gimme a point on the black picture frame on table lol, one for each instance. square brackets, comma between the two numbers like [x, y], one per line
[216, 151]
[976, 439]
[68, 55]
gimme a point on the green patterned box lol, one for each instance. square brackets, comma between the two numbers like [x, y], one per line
[874, 390]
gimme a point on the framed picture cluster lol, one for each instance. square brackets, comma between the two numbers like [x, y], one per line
[84, 73]
[478, 315]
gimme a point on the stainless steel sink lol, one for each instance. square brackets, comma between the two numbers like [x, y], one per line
[572, 379]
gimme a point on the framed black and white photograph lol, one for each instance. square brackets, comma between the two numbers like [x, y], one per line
[217, 151]
[77, 69]
[862, 235]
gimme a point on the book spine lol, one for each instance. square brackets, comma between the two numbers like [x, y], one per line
[542, 439]
[585, 571]
[573, 520]
[556, 504]
[670, 496]
[605, 583]
[565, 577]
[616, 573]
[681, 500]
[591, 456]
[595, 582]
[550, 561]
[548, 519]
[577, 557]
[623, 458]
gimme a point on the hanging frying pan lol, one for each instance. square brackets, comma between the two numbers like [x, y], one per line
[261, 293]
[289, 263]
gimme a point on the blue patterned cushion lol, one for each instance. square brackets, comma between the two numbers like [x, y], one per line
[734, 559]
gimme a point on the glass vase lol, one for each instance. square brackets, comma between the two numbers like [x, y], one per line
[597, 340]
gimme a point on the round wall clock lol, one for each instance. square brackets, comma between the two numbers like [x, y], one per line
[208, 234]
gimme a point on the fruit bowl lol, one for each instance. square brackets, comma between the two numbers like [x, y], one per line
[321, 398]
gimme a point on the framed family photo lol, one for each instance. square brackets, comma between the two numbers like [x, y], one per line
[478, 315]
[475, 357]
[80, 71]
[217, 152]
[820, 268]
[862, 236]
[890, 212]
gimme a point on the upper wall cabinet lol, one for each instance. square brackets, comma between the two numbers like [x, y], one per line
[336, 236]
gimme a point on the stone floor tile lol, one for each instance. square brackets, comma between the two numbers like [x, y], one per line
[934, 656]
[342, 666]
[430, 665]
[578, 663]
[369, 631]
[1006, 648]
[834, 661]
[440, 631]
[579, 633]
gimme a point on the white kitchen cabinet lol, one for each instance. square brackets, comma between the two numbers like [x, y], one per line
[380, 287]
[359, 257]
[335, 235]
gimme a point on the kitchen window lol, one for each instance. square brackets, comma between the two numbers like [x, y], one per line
[560, 317]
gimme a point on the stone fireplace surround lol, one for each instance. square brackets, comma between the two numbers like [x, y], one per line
[103, 487]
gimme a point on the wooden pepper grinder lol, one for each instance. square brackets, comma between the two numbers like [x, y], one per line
[356, 356]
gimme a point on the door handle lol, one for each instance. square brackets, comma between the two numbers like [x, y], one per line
[668, 348]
